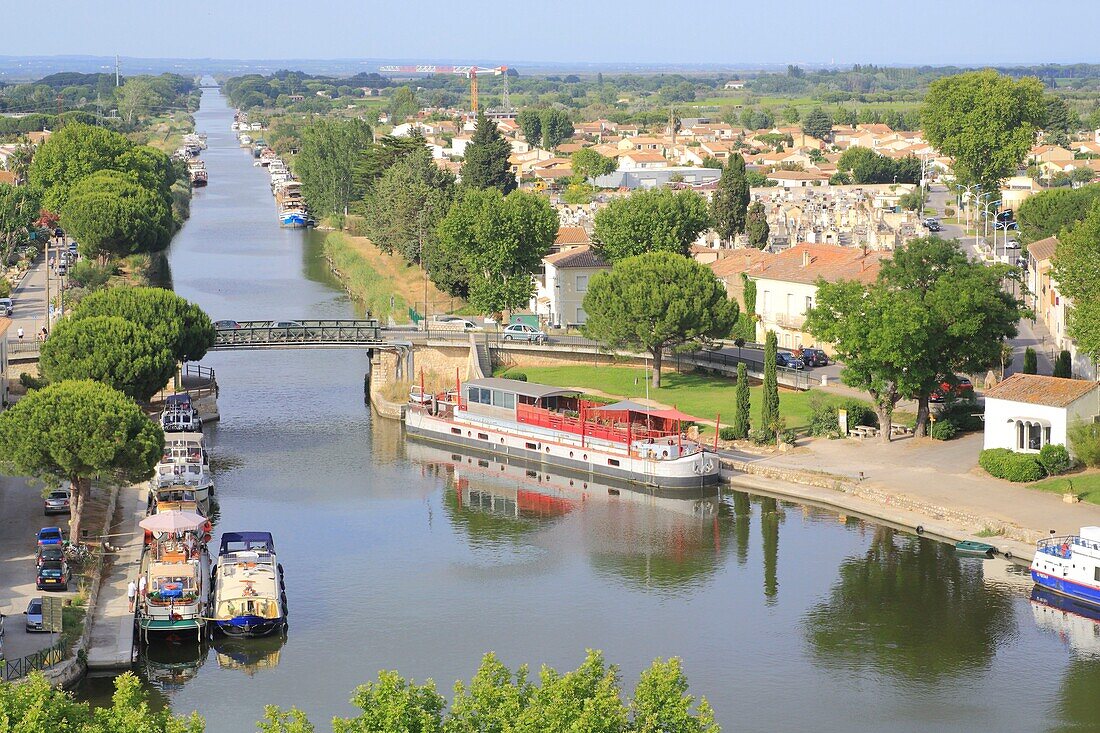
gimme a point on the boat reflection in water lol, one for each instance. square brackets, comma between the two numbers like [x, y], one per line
[168, 667]
[1075, 623]
[250, 655]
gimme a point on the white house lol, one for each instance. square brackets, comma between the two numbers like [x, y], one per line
[635, 161]
[559, 294]
[1027, 411]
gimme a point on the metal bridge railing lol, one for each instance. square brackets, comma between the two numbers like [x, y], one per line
[303, 333]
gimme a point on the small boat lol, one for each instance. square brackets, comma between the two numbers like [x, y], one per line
[199, 178]
[293, 219]
[249, 596]
[184, 463]
[1070, 565]
[970, 548]
[179, 415]
[246, 141]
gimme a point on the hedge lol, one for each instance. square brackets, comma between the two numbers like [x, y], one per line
[1055, 459]
[1017, 467]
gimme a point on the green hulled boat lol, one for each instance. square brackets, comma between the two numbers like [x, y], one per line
[970, 548]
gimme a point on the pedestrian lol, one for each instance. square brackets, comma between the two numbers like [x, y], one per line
[141, 587]
[19, 333]
[45, 333]
[131, 594]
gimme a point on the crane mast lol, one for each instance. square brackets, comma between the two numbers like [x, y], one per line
[470, 72]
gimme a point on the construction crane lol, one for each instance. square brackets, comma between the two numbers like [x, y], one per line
[471, 72]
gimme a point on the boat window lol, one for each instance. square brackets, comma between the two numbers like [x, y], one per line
[1096, 574]
[483, 436]
[504, 399]
[532, 446]
[456, 431]
[612, 462]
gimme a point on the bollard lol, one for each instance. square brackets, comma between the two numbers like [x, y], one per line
[824, 380]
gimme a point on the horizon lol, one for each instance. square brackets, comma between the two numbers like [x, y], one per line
[568, 33]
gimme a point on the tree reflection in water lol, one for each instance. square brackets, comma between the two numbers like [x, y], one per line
[742, 515]
[770, 518]
[910, 608]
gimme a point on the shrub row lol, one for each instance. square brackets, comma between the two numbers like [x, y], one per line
[824, 418]
[1018, 467]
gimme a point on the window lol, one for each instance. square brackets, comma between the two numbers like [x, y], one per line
[582, 317]
[456, 431]
[531, 446]
[504, 399]
[582, 283]
[612, 462]
[809, 303]
[1096, 574]
[483, 436]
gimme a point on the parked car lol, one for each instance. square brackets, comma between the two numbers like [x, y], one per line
[226, 324]
[813, 357]
[934, 226]
[56, 502]
[523, 332]
[788, 361]
[52, 576]
[50, 536]
[49, 553]
[1012, 244]
[959, 388]
[34, 615]
[6, 306]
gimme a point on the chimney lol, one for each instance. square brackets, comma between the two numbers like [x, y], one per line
[806, 257]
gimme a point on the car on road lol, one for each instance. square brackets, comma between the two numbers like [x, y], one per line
[813, 357]
[56, 502]
[457, 323]
[6, 306]
[285, 324]
[1012, 244]
[49, 553]
[50, 536]
[52, 576]
[34, 615]
[788, 361]
[226, 324]
[957, 387]
[523, 332]
[932, 224]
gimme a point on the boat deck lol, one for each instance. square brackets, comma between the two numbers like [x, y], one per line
[247, 584]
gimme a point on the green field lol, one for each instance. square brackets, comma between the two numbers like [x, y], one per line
[1085, 485]
[701, 395]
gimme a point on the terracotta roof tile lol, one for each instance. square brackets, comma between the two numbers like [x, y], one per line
[1037, 389]
[1044, 248]
[808, 263]
[733, 262]
[571, 235]
[584, 256]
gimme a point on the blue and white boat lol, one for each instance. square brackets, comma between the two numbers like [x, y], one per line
[249, 596]
[293, 218]
[1070, 566]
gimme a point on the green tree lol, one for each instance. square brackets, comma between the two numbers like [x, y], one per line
[332, 164]
[502, 240]
[985, 121]
[1063, 365]
[111, 350]
[149, 167]
[486, 164]
[730, 201]
[657, 300]
[404, 207]
[393, 704]
[180, 324]
[662, 704]
[769, 404]
[1077, 270]
[111, 215]
[818, 124]
[585, 699]
[402, 104]
[72, 153]
[651, 221]
[1056, 125]
[588, 164]
[19, 207]
[557, 127]
[791, 115]
[494, 701]
[741, 422]
[1031, 361]
[280, 721]
[1047, 213]
[756, 222]
[529, 120]
[135, 98]
[130, 712]
[1084, 174]
[78, 430]
[19, 161]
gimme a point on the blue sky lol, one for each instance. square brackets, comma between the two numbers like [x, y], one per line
[654, 31]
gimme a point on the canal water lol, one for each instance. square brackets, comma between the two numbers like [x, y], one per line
[403, 557]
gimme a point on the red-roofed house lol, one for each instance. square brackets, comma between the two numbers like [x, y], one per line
[1027, 411]
[559, 293]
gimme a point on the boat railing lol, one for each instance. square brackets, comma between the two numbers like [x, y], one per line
[614, 432]
[1063, 546]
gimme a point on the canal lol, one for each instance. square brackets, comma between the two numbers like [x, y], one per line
[787, 618]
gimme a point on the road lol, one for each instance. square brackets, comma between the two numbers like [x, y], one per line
[29, 301]
[20, 517]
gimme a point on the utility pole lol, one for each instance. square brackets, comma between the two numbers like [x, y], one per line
[117, 84]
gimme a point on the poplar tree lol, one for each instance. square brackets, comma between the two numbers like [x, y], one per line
[769, 407]
[730, 203]
[741, 404]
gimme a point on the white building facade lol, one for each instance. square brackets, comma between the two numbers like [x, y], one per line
[1027, 411]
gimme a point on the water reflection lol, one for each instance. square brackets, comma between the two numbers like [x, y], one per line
[168, 667]
[252, 655]
[909, 607]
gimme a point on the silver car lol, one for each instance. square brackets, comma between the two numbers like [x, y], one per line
[34, 615]
[6, 306]
[523, 332]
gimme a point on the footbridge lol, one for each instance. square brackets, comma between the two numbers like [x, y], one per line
[334, 334]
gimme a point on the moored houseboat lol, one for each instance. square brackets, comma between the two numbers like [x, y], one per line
[186, 464]
[176, 568]
[624, 441]
[249, 596]
[1070, 566]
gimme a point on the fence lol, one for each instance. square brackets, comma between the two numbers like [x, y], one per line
[15, 668]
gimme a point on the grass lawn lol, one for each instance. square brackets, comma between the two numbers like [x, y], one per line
[1085, 485]
[702, 395]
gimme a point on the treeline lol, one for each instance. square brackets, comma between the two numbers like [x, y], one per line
[257, 90]
[589, 699]
[96, 95]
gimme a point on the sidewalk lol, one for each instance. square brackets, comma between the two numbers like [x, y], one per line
[112, 632]
[939, 480]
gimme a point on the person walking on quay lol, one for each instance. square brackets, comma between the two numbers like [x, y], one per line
[19, 333]
[131, 594]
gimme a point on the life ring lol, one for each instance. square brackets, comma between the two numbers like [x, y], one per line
[1065, 549]
[173, 586]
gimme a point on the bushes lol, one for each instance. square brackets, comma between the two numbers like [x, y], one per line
[824, 415]
[1085, 439]
[943, 430]
[727, 433]
[1055, 459]
[1063, 365]
[518, 376]
[961, 415]
[90, 276]
[1017, 467]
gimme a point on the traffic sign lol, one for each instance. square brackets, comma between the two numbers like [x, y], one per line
[51, 614]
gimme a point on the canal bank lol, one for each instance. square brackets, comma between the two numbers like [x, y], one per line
[786, 616]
